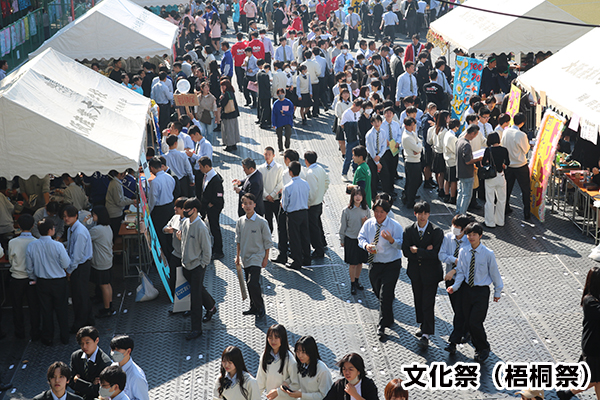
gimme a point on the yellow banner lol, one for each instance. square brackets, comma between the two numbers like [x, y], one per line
[540, 166]
[514, 101]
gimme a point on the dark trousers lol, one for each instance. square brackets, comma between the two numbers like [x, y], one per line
[186, 189]
[268, 58]
[459, 315]
[164, 116]
[249, 95]
[288, 135]
[19, 290]
[390, 31]
[240, 76]
[271, 212]
[413, 181]
[299, 241]
[521, 175]
[160, 217]
[374, 177]
[424, 297]
[383, 277]
[388, 172]
[244, 22]
[315, 228]
[316, 92]
[213, 214]
[199, 296]
[252, 275]
[199, 178]
[115, 225]
[264, 111]
[53, 298]
[80, 294]
[282, 234]
[352, 37]
[174, 262]
[476, 301]
[411, 25]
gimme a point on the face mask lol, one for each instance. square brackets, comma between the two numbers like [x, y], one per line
[187, 214]
[348, 79]
[345, 51]
[117, 356]
[456, 231]
[281, 96]
[355, 380]
[293, 68]
[287, 70]
[362, 62]
[105, 393]
[368, 111]
[262, 36]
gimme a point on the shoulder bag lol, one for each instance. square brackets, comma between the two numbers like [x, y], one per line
[488, 171]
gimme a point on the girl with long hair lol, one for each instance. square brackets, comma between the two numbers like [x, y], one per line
[277, 368]
[313, 375]
[355, 384]
[234, 382]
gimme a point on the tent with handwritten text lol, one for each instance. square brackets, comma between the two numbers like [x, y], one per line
[114, 29]
[570, 81]
[58, 116]
[481, 32]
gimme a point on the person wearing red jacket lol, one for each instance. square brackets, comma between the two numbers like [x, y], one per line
[258, 48]
[332, 5]
[322, 11]
[413, 50]
[239, 54]
[296, 23]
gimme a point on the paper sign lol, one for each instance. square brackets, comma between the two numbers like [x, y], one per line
[467, 79]
[574, 124]
[285, 108]
[589, 130]
[186, 100]
[543, 98]
[393, 148]
[514, 101]
[478, 153]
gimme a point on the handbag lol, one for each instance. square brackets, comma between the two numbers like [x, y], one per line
[488, 171]
[205, 117]
[253, 86]
[229, 107]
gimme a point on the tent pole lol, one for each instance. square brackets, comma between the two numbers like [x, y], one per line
[72, 10]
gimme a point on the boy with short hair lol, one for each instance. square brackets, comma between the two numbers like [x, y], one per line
[253, 239]
[362, 175]
[112, 383]
[87, 363]
[179, 163]
[136, 387]
[59, 375]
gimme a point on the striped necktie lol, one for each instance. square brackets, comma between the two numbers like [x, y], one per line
[457, 248]
[471, 281]
[390, 126]
[420, 234]
[377, 142]
[375, 241]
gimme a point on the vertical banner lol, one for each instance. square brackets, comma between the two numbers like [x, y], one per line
[514, 101]
[162, 265]
[467, 79]
[540, 166]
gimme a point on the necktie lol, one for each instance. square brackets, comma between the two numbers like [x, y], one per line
[268, 167]
[227, 383]
[471, 280]
[411, 84]
[375, 241]
[420, 234]
[457, 248]
[377, 143]
[390, 126]
[204, 182]
[86, 368]
[484, 131]
[284, 55]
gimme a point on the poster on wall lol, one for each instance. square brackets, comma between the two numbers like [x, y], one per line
[467, 80]
[540, 165]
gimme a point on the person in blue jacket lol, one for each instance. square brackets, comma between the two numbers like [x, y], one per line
[227, 61]
[282, 117]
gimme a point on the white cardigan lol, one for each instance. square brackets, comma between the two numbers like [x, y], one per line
[316, 387]
[235, 393]
[272, 379]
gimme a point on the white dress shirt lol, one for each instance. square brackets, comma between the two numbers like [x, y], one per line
[272, 179]
[318, 180]
[404, 88]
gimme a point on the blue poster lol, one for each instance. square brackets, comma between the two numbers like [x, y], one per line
[467, 79]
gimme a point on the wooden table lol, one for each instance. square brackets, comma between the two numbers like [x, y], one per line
[132, 239]
[585, 196]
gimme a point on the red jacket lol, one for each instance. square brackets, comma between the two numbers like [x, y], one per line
[296, 25]
[332, 5]
[258, 49]
[322, 12]
[242, 4]
[409, 53]
[238, 51]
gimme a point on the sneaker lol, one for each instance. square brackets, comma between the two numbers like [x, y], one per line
[345, 177]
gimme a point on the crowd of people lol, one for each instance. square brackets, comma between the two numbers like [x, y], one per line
[391, 106]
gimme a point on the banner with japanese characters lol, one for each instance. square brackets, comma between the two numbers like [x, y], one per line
[540, 165]
[467, 79]
[514, 101]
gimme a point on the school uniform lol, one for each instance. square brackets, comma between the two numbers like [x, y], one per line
[352, 220]
[80, 250]
[160, 202]
[48, 395]
[318, 181]
[282, 233]
[424, 270]
[272, 185]
[136, 386]
[376, 143]
[366, 388]
[175, 256]
[449, 255]
[115, 203]
[315, 387]
[389, 162]
[212, 204]
[88, 369]
[254, 238]
[295, 204]
[233, 391]
[476, 269]
[272, 379]
[179, 163]
[253, 183]
[102, 258]
[412, 166]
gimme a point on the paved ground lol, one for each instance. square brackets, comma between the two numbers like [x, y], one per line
[538, 318]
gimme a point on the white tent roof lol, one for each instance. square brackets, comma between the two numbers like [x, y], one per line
[113, 29]
[485, 33]
[570, 78]
[58, 116]
[160, 3]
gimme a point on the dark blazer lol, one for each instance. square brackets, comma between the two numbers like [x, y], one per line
[367, 387]
[213, 194]
[264, 85]
[47, 395]
[253, 185]
[84, 386]
[424, 264]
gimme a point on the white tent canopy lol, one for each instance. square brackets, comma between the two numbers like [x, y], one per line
[59, 116]
[114, 29]
[160, 3]
[482, 32]
[570, 78]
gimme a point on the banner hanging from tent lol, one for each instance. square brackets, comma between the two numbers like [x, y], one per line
[540, 166]
[514, 102]
[467, 80]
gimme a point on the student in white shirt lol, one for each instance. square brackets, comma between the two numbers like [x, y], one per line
[234, 382]
[277, 368]
[313, 375]
[450, 157]
[136, 386]
[272, 173]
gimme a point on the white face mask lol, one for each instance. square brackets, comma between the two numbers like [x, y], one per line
[369, 111]
[355, 380]
[287, 70]
[105, 393]
[262, 36]
[117, 356]
[293, 68]
[345, 51]
[456, 231]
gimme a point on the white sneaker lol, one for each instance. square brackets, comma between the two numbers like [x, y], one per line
[345, 177]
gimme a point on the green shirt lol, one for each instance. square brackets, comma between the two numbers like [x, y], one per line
[363, 174]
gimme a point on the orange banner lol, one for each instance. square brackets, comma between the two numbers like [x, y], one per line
[514, 101]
